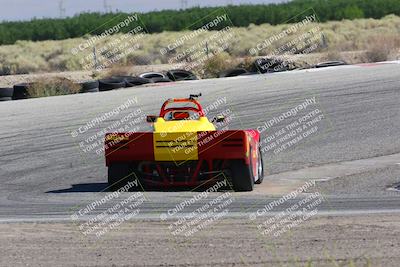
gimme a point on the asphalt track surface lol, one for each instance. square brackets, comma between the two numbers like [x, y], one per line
[45, 175]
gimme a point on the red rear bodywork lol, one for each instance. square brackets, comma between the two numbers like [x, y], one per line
[215, 150]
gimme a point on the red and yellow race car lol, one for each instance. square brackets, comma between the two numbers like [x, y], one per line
[184, 150]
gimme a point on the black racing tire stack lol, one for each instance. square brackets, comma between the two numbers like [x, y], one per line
[6, 94]
[155, 77]
[110, 84]
[160, 80]
[89, 87]
[131, 81]
[181, 75]
[21, 91]
[233, 72]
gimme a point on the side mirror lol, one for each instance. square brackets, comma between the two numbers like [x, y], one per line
[219, 119]
[151, 118]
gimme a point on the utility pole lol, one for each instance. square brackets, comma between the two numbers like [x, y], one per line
[61, 8]
[184, 4]
[107, 7]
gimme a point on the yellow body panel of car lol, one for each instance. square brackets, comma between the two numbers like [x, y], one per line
[179, 126]
[177, 140]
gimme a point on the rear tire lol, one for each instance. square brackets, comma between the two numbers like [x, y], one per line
[242, 178]
[119, 174]
[260, 168]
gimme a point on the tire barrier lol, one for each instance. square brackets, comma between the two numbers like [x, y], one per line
[261, 65]
[233, 72]
[151, 75]
[268, 65]
[6, 94]
[89, 87]
[131, 81]
[160, 80]
[330, 64]
[21, 91]
[181, 75]
[110, 84]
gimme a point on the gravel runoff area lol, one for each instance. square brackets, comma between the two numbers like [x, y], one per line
[357, 240]
[379, 182]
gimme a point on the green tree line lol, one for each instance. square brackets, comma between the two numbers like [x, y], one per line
[177, 20]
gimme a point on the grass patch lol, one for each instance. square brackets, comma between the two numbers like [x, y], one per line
[381, 48]
[52, 87]
[216, 64]
[116, 71]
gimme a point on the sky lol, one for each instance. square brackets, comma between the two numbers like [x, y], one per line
[12, 10]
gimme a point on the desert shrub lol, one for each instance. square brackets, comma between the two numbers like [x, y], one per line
[116, 70]
[65, 63]
[376, 54]
[346, 35]
[381, 47]
[136, 59]
[20, 64]
[246, 63]
[333, 55]
[52, 87]
[216, 64]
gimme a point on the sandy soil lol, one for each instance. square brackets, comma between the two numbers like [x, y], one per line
[367, 240]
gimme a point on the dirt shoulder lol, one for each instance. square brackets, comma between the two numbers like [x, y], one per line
[363, 240]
